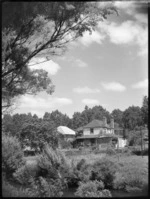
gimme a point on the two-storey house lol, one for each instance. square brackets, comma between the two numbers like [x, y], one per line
[100, 134]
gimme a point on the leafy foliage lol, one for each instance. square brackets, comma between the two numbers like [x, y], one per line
[110, 151]
[131, 176]
[39, 133]
[104, 170]
[117, 115]
[9, 190]
[86, 116]
[132, 117]
[58, 118]
[92, 189]
[12, 155]
[42, 187]
[40, 29]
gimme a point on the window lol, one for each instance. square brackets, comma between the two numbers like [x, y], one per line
[91, 131]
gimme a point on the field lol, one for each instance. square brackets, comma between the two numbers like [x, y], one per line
[91, 157]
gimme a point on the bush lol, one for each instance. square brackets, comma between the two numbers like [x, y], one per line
[128, 182]
[80, 164]
[104, 170]
[54, 162]
[42, 187]
[124, 151]
[79, 172]
[24, 176]
[65, 144]
[10, 191]
[131, 177]
[12, 155]
[92, 189]
[110, 151]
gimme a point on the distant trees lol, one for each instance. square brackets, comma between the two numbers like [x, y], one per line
[86, 116]
[35, 131]
[117, 115]
[58, 118]
[132, 117]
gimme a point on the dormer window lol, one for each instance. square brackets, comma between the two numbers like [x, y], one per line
[91, 130]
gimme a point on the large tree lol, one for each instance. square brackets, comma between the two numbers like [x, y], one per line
[132, 117]
[117, 115]
[40, 29]
[37, 134]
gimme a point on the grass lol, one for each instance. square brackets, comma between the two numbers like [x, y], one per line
[90, 158]
[132, 173]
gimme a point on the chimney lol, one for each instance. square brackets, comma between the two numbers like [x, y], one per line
[112, 122]
[104, 121]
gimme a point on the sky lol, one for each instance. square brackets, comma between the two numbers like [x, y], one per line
[108, 68]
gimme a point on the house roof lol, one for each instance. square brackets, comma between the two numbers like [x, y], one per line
[65, 130]
[96, 123]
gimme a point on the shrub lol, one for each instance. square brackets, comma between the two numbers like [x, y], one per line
[42, 187]
[110, 151]
[81, 163]
[79, 172]
[54, 162]
[92, 189]
[10, 191]
[124, 151]
[104, 170]
[12, 155]
[65, 144]
[131, 177]
[23, 175]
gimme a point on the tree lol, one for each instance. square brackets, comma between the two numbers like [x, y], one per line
[144, 110]
[99, 112]
[87, 114]
[13, 124]
[37, 134]
[132, 117]
[117, 115]
[78, 120]
[7, 123]
[40, 30]
[58, 118]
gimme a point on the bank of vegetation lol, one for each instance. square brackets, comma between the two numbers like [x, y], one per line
[51, 172]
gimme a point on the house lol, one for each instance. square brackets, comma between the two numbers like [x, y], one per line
[67, 133]
[99, 133]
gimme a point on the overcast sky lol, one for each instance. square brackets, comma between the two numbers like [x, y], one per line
[108, 68]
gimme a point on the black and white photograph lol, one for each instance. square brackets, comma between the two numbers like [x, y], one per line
[75, 98]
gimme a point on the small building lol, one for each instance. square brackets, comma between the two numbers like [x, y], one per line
[99, 133]
[67, 133]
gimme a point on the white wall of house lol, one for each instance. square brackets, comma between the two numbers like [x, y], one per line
[86, 131]
[111, 131]
[121, 142]
[96, 131]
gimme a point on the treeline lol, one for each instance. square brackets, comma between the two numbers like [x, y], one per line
[34, 131]
[132, 117]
